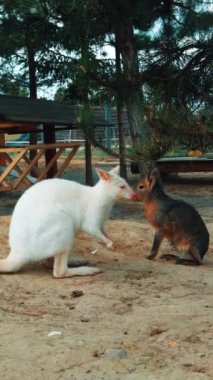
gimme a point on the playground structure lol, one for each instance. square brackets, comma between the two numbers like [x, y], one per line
[19, 163]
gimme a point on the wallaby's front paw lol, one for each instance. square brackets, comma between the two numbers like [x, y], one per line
[110, 245]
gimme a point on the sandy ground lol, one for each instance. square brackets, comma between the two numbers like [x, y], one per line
[159, 315]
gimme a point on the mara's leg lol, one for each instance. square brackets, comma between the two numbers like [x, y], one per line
[194, 252]
[156, 245]
[192, 257]
[13, 263]
[61, 270]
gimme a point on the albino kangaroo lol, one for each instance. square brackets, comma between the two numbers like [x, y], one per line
[48, 216]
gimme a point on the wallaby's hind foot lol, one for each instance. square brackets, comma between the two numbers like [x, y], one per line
[61, 270]
[81, 271]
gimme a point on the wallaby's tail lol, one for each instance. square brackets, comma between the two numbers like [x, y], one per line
[11, 264]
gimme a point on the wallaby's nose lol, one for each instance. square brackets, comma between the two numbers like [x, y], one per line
[135, 197]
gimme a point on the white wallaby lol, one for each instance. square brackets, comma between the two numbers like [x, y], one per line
[48, 216]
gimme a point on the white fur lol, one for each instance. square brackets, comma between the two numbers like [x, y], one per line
[48, 216]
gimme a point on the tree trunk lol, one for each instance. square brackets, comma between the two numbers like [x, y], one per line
[122, 157]
[88, 160]
[139, 129]
[87, 128]
[33, 91]
[32, 72]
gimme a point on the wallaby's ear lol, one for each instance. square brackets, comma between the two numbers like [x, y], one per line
[153, 177]
[115, 170]
[102, 174]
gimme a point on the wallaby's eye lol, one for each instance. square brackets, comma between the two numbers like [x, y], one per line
[141, 187]
[122, 187]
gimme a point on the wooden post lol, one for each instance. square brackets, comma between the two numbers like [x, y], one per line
[49, 138]
[2, 145]
[88, 162]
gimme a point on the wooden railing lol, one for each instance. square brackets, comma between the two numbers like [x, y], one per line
[20, 172]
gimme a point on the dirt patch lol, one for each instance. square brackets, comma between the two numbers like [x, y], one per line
[157, 313]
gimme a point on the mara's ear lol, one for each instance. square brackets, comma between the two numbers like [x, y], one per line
[115, 170]
[102, 174]
[153, 178]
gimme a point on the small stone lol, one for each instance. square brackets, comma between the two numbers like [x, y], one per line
[72, 307]
[62, 296]
[84, 319]
[187, 365]
[54, 333]
[116, 353]
[157, 330]
[193, 339]
[94, 251]
[97, 354]
[77, 293]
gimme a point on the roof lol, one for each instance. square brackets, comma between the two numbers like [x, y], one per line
[40, 111]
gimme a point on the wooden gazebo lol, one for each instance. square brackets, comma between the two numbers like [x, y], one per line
[19, 115]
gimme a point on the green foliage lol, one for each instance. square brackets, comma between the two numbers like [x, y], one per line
[85, 120]
[10, 87]
[25, 26]
[170, 63]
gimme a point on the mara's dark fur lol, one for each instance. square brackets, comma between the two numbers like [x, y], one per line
[173, 219]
